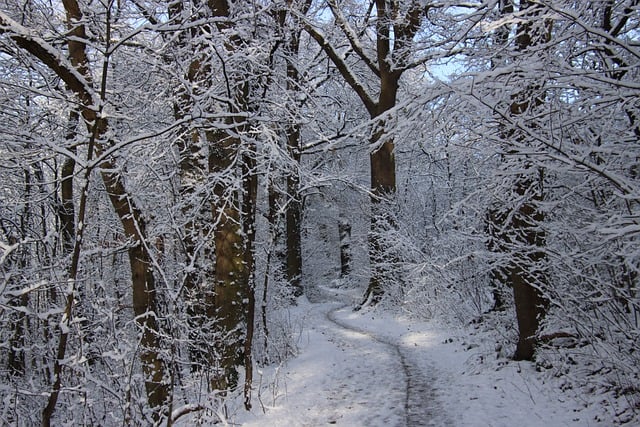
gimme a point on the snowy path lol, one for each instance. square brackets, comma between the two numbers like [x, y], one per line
[420, 405]
[349, 376]
[338, 379]
[373, 370]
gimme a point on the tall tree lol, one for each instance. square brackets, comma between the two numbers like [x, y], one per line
[394, 26]
[76, 74]
[234, 212]
[195, 234]
[520, 229]
[293, 211]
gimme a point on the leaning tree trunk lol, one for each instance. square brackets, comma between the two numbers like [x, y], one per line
[145, 307]
[78, 79]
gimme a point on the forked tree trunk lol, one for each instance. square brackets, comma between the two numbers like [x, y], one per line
[396, 28]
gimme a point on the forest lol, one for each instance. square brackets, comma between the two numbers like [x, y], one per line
[177, 174]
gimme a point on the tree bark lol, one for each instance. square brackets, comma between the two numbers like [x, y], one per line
[294, 206]
[527, 273]
[234, 215]
[66, 211]
[145, 306]
[250, 191]
[231, 273]
[197, 226]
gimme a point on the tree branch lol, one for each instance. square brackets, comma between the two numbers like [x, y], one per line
[53, 59]
[352, 37]
[343, 68]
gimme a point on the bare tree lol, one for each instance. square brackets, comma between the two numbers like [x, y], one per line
[394, 27]
[76, 74]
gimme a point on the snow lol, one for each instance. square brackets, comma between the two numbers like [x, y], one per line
[373, 368]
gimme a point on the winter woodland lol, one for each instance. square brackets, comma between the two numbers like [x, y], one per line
[178, 175]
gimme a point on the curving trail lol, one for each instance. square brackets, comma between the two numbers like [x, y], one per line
[372, 369]
[413, 386]
[420, 404]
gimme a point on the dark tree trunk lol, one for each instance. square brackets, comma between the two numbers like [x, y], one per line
[527, 273]
[67, 204]
[294, 207]
[344, 231]
[250, 191]
[294, 228]
[521, 234]
[16, 362]
[383, 191]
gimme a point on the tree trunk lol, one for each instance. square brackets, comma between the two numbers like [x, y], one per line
[231, 273]
[66, 211]
[294, 215]
[195, 206]
[383, 188]
[233, 234]
[344, 231]
[250, 191]
[16, 361]
[527, 273]
[145, 306]
[521, 234]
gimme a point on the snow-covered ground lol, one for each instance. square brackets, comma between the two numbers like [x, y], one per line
[374, 369]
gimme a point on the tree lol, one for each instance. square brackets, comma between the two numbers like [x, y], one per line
[293, 211]
[559, 92]
[394, 27]
[76, 74]
[521, 229]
